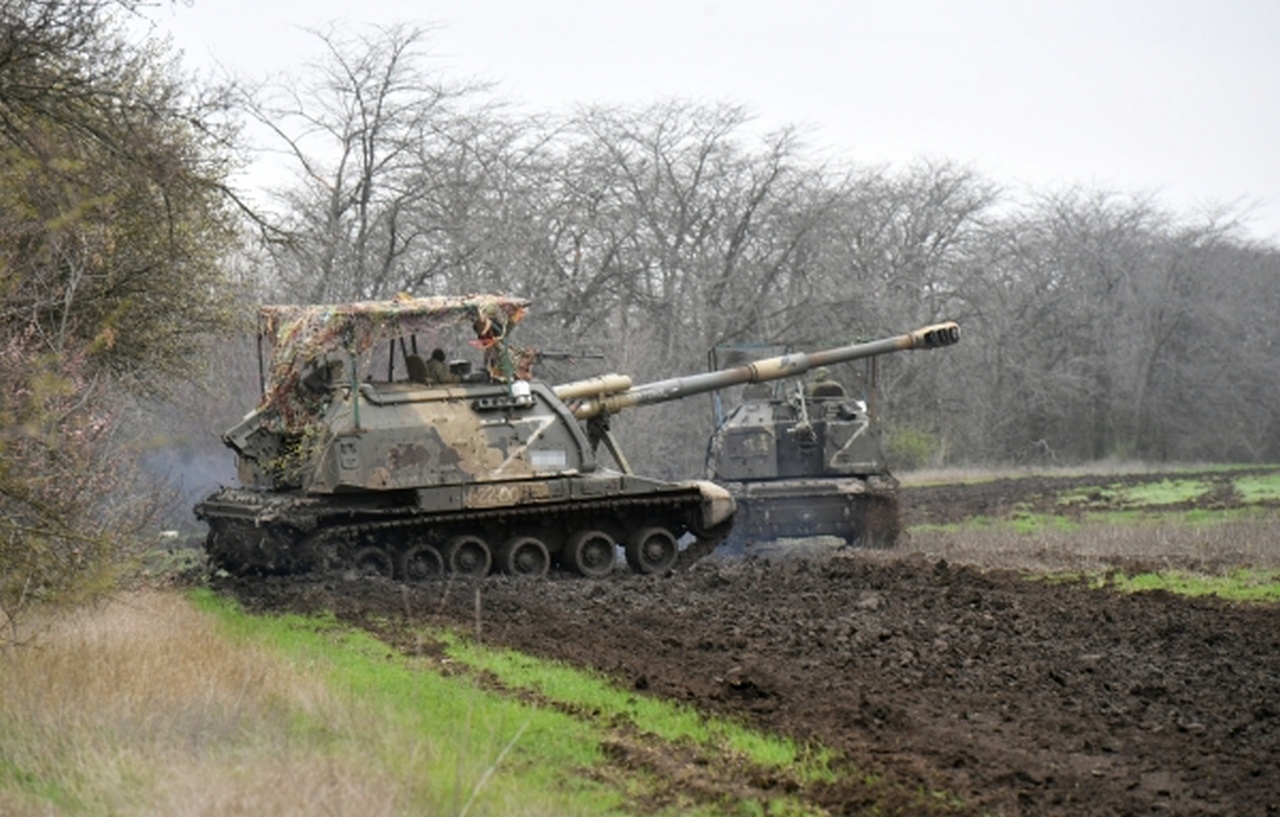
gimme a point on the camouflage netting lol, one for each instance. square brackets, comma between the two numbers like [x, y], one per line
[303, 335]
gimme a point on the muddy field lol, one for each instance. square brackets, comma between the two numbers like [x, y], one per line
[1020, 698]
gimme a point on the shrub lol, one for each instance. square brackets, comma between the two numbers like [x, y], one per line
[910, 448]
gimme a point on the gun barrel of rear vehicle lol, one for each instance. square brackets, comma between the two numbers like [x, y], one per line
[597, 397]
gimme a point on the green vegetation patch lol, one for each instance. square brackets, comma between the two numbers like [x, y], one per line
[670, 722]
[1247, 489]
[1119, 495]
[1031, 523]
[1256, 489]
[449, 743]
[1249, 585]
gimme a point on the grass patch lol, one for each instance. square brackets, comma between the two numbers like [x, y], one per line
[668, 721]
[1030, 524]
[1202, 541]
[1102, 469]
[1248, 585]
[1226, 542]
[1116, 495]
[452, 746]
[1259, 489]
[147, 705]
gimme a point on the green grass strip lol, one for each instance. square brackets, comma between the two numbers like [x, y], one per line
[450, 741]
[678, 724]
[1241, 585]
[1033, 523]
[1259, 489]
[670, 722]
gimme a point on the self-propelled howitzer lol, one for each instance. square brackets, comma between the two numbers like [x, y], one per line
[799, 461]
[365, 456]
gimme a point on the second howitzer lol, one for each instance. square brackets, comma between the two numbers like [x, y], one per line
[799, 462]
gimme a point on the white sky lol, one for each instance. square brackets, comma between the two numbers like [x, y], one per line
[1175, 98]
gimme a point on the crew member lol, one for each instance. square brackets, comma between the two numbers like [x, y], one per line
[438, 370]
[823, 385]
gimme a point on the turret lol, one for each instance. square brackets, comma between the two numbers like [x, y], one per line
[612, 393]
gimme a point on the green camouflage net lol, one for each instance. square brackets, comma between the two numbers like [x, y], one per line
[302, 335]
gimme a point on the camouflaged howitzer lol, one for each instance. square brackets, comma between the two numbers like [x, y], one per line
[385, 472]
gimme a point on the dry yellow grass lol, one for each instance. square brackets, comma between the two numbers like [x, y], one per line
[1244, 541]
[933, 476]
[1205, 543]
[140, 707]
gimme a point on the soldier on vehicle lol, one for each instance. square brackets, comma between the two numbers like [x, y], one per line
[823, 385]
[438, 370]
[431, 372]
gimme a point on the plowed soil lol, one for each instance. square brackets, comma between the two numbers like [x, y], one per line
[1014, 697]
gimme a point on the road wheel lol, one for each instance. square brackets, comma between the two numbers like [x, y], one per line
[652, 550]
[525, 556]
[468, 556]
[591, 553]
[372, 561]
[420, 563]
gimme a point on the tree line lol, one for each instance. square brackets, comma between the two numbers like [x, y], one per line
[1097, 324]
[114, 223]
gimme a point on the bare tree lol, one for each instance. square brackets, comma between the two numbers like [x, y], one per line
[1102, 324]
[678, 232]
[358, 128]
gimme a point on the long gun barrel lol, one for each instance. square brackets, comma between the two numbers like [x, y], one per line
[612, 393]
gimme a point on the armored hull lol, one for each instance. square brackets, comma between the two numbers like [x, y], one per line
[344, 468]
[800, 466]
[862, 511]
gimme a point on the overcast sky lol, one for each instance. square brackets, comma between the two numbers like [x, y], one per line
[1175, 98]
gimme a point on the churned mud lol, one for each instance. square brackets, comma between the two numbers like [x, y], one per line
[1014, 697]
